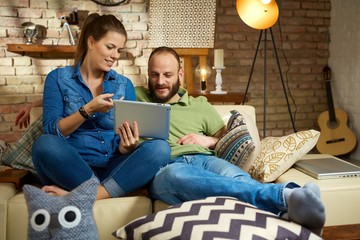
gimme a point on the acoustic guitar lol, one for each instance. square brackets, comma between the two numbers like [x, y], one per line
[335, 136]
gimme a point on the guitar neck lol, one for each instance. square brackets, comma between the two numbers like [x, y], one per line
[332, 116]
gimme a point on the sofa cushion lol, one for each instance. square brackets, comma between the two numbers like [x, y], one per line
[213, 218]
[236, 145]
[19, 154]
[278, 154]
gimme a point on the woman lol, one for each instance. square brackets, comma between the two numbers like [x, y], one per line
[79, 141]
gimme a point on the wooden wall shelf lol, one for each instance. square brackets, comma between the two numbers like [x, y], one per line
[185, 53]
[21, 48]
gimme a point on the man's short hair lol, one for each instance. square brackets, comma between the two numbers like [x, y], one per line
[166, 50]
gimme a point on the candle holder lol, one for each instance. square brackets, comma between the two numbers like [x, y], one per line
[30, 31]
[218, 81]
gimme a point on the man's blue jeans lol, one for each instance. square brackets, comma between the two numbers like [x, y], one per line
[57, 162]
[192, 177]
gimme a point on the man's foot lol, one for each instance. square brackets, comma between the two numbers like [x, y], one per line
[306, 208]
[54, 190]
[313, 187]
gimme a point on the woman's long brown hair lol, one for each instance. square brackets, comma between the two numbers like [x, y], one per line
[96, 26]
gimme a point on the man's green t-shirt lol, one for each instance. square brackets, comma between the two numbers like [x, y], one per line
[188, 115]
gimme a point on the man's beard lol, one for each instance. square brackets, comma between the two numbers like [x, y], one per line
[163, 99]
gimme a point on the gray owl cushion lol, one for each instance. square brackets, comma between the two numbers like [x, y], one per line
[65, 217]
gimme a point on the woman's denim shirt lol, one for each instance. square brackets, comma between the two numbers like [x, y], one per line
[65, 92]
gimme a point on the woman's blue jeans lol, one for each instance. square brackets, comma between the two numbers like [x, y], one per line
[198, 176]
[57, 162]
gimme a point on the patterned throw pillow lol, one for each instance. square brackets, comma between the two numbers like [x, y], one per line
[3, 146]
[213, 218]
[19, 154]
[278, 154]
[236, 145]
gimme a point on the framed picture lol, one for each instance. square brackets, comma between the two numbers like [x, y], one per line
[182, 23]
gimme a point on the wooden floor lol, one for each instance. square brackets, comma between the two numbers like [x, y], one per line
[348, 232]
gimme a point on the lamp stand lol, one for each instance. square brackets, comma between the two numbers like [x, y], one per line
[280, 73]
[218, 81]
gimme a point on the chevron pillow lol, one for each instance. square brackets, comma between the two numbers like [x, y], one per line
[212, 218]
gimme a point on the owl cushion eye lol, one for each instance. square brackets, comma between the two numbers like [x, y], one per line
[69, 216]
[40, 220]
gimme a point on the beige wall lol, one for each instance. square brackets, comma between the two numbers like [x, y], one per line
[305, 43]
[345, 61]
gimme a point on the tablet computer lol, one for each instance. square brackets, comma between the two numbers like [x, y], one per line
[153, 119]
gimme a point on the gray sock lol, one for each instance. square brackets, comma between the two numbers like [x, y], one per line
[313, 187]
[305, 207]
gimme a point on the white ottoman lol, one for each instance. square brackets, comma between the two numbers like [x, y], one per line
[341, 197]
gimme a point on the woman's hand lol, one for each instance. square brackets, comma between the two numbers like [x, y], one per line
[129, 139]
[101, 103]
[202, 140]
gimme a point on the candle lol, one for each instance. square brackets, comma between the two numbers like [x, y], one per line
[219, 58]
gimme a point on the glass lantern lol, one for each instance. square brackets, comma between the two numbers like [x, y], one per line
[203, 73]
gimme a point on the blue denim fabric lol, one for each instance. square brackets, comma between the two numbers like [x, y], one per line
[65, 92]
[58, 162]
[198, 176]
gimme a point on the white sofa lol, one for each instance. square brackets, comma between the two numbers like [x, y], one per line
[341, 197]
[110, 214]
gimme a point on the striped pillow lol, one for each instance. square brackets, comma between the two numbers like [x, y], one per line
[213, 218]
[236, 145]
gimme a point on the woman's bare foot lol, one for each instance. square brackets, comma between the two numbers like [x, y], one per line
[102, 193]
[54, 190]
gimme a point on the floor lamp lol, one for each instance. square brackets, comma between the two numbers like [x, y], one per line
[262, 15]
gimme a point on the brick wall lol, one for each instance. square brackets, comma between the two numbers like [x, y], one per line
[22, 77]
[304, 46]
[302, 50]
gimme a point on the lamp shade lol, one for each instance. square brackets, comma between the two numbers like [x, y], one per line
[257, 14]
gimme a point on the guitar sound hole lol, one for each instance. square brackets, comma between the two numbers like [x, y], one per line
[335, 140]
[333, 124]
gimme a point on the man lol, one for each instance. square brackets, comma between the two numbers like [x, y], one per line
[195, 172]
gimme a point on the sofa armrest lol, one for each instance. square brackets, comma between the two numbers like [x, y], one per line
[7, 191]
[224, 111]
